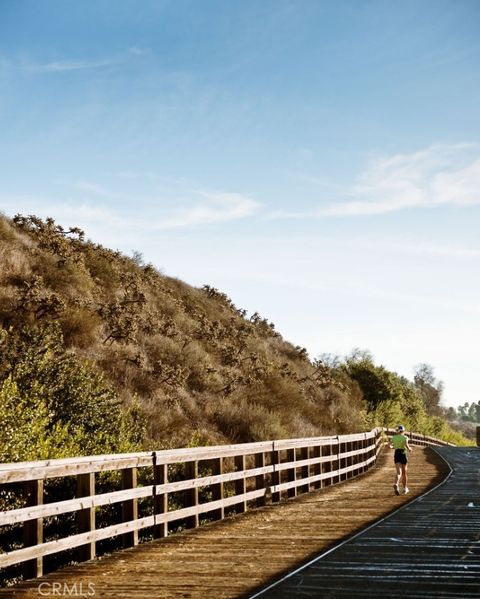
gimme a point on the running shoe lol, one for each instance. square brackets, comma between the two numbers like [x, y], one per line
[406, 491]
[396, 490]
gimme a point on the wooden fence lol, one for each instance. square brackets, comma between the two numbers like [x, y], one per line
[213, 482]
[418, 439]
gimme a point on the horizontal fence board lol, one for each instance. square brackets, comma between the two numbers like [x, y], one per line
[419, 437]
[21, 555]
[175, 456]
[283, 444]
[72, 505]
[203, 508]
[206, 481]
[75, 460]
[307, 442]
[76, 466]
[323, 459]
[300, 482]
[354, 452]
[356, 437]
[308, 462]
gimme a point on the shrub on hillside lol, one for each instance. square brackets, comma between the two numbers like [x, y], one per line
[69, 406]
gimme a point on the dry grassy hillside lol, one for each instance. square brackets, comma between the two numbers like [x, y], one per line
[198, 368]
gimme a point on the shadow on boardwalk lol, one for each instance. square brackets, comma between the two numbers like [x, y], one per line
[233, 557]
[428, 549]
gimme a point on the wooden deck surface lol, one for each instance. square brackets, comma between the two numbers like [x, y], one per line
[429, 549]
[237, 556]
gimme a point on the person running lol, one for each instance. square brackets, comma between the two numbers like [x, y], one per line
[400, 445]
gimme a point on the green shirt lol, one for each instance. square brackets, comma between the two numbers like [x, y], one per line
[399, 442]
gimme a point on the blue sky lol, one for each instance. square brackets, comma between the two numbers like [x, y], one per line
[319, 161]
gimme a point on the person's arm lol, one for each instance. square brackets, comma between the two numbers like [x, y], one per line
[407, 445]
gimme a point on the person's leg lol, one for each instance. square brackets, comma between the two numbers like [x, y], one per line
[397, 478]
[405, 476]
[399, 468]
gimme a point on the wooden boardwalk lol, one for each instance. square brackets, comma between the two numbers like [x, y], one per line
[430, 548]
[236, 556]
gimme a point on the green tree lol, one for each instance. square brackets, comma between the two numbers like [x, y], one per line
[27, 430]
[390, 398]
[64, 402]
[429, 388]
[469, 412]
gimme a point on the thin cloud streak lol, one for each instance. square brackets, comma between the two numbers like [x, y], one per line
[440, 175]
[420, 249]
[214, 207]
[76, 213]
[437, 176]
[69, 65]
[217, 207]
[97, 190]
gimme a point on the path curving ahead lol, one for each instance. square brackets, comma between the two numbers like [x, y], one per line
[427, 549]
[233, 557]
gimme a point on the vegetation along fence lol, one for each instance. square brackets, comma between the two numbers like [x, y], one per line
[170, 489]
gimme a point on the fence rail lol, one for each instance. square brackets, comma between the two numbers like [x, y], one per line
[418, 439]
[212, 480]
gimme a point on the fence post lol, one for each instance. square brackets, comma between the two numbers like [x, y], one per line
[217, 489]
[349, 445]
[339, 462]
[241, 484]
[33, 529]
[130, 506]
[327, 467]
[191, 495]
[304, 456]
[275, 458]
[86, 517]
[354, 458]
[317, 468]
[160, 501]
[365, 452]
[292, 472]
[260, 478]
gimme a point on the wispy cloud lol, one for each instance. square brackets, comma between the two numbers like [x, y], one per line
[97, 190]
[288, 215]
[62, 65]
[216, 207]
[69, 212]
[138, 51]
[416, 248]
[68, 65]
[438, 175]
[203, 208]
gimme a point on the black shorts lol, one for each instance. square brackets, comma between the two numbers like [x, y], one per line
[400, 456]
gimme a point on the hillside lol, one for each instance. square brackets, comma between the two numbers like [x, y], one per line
[101, 352]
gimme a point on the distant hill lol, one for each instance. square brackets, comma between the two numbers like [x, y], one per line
[117, 346]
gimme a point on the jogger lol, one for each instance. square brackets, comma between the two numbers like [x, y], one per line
[400, 445]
